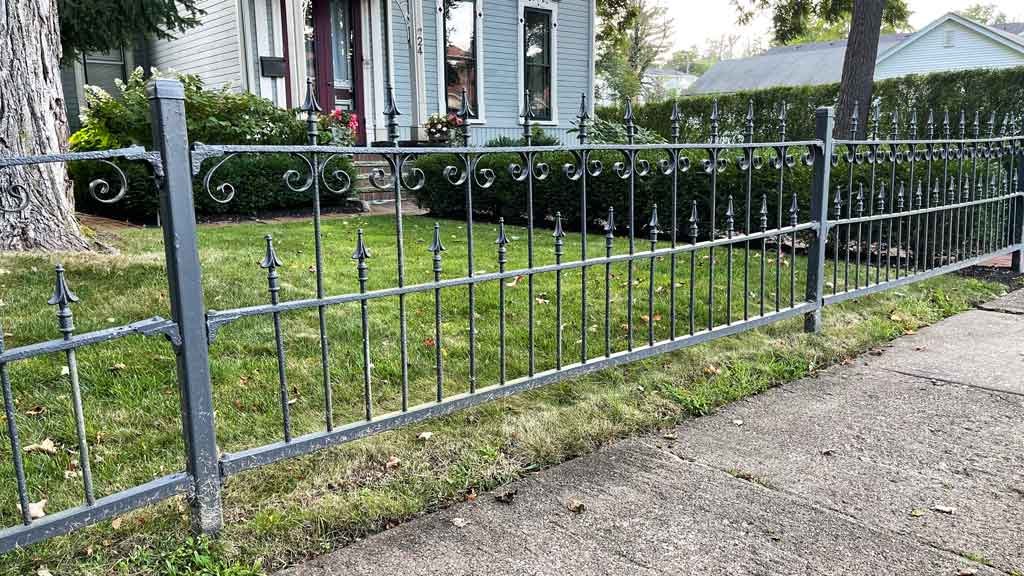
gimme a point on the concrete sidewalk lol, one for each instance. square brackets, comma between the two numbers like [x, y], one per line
[910, 461]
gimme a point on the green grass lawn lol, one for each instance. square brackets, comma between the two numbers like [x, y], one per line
[285, 512]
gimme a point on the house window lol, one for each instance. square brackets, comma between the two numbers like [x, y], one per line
[460, 54]
[537, 60]
[950, 39]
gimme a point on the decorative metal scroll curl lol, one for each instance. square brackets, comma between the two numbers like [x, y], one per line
[483, 178]
[382, 179]
[574, 170]
[16, 198]
[335, 181]
[539, 170]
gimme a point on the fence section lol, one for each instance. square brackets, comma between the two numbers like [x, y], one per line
[675, 244]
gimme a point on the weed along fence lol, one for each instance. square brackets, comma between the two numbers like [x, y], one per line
[552, 261]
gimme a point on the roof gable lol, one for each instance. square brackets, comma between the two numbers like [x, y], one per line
[1012, 41]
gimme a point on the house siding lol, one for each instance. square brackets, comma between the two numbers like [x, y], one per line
[400, 62]
[929, 53]
[211, 50]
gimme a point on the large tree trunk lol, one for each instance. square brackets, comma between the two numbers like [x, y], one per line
[33, 121]
[859, 65]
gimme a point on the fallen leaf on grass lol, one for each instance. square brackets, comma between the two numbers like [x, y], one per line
[712, 370]
[424, 436]
[459, 522]
[543, 300]
[43, 571]
[36, 410]
[116, 523]
[46, 447]
[515, 281]
[36, 510]
[118, 367]
[506, 497]
[575, 506]
[393, 463]
[471, 495]
[916, 513]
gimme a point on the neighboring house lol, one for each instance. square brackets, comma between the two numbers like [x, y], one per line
[428, 50]
[661, 83]
[950, 43]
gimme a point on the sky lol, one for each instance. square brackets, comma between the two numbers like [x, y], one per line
[698, 22]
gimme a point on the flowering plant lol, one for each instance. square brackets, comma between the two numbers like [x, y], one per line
[341, 124]
[442, 128]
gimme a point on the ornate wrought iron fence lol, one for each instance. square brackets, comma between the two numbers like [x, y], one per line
[732, 249]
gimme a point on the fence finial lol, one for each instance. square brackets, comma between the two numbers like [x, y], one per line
[270, 260]
[930, 127]
[946, 129]
[860, 200]
[919, 195]
[527, 116]
[881, 198]
[361, 253]
[714, 120]
[652, 224]
[913, 124]
[694, 223]
[436, 247]
[558, 233]
[899, 198]
[750, 120]
[676, 120]
[976, 127]
[963, 124]
[837, 202]
[392, 113]
[794, 211]
[730, 217]
[894, 125]
[583, 119]
[628, 118]
[62, 298]
[502, 240]
[876, 121]
[311, 107]
[991, 123]
[855, 120]
[609, 225]
[764, 212]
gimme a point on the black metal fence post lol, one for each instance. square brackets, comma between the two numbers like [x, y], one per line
[1017, 233]
[185, 291]
[824, 123]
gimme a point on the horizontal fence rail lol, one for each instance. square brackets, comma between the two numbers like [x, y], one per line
[596, 256]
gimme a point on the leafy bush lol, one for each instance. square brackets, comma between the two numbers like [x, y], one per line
[212, 116]
[507, 198]
[537, 135]
[984, 90]
[602, 131]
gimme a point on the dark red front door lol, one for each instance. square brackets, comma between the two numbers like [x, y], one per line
[336, 55]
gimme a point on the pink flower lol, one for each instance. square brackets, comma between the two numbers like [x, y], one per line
[353, 122]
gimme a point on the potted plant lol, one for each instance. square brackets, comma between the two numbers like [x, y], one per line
[441, 128]
[342, 125]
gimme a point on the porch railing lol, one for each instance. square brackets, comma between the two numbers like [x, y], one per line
[868, 215]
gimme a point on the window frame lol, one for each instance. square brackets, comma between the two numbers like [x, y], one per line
[551, 8]
[478, 56]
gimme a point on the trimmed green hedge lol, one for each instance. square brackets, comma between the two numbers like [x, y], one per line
[507, 198]
[983, 90]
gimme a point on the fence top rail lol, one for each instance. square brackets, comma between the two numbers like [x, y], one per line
[204, 151]
[902, 142]
[129, 153]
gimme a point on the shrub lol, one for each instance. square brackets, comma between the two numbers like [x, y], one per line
[984, 90]
[537, 135]
[507, 198]
[212, 116]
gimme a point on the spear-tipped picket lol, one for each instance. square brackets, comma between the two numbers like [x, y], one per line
[894, 125]
[559, 235]
[714, 121]
[855, 120]
[764, 212]
[880, 199]
[900, 197]
[783, 114]
[465, 113]
[763, 215]
[860, 200]
[271, 263]
[609, 240]
[62, 298]
[991, 124]
[15, 442]
[502, 242]
[583, 119]
[361, 255]
[837, 204]
[946, 127]
[976, 125]
[312, 109]
[694, 231]
[913, 124]
[794, 211]
[527, 116]
[630, 121]
[652, 227]
[392, 113]
[694, 223]
[936, 191]
[436, 248]
[930, 125]
[677, 121]
[963, 124]
[876, 120]
[750, 120]
[919, 195]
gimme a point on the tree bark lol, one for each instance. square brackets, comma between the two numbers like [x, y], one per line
[859, 66]
[33, 121]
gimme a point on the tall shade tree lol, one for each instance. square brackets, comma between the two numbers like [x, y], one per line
[37, 202]
[643, 37]
[792, 19]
